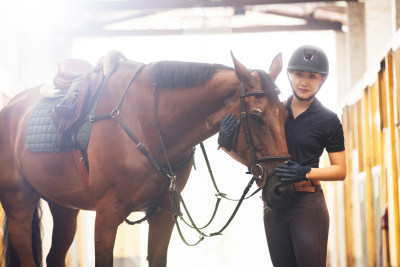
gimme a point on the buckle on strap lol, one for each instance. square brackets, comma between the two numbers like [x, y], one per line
[257, 171]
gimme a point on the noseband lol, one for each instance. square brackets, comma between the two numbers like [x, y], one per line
[254, 168]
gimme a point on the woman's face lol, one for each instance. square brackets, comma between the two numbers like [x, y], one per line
[306, 83]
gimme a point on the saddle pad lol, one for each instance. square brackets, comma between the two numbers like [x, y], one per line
[41, 135]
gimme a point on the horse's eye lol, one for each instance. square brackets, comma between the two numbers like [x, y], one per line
[256, 116]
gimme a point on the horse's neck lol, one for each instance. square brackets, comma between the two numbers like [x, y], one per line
[197, 112]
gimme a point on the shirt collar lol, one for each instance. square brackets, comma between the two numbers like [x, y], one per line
[314, 107]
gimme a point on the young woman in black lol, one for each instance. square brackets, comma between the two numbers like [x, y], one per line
[297, 234]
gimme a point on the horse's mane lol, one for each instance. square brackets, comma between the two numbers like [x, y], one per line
[179, 74]
[267, 84]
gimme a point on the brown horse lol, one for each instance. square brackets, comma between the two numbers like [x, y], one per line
[162, 108]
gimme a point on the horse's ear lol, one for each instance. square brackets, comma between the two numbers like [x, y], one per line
[241, 71]
[276, 66]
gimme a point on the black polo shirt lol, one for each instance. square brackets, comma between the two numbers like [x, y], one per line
[311, 132]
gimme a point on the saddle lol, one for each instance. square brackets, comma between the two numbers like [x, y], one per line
[81, 82]
[70, 70]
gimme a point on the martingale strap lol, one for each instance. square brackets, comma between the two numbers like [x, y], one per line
[114, 114]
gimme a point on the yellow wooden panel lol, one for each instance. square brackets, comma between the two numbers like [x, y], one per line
[348, 126]
[359, 136]
[354, 238]
[366, 160]
[374, 124]
[351, 128]
[390, 155]
[396, 105]
[383, 126]
[382, 100]
[396, 94]
[372, 132]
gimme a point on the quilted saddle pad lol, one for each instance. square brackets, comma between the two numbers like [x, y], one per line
[41, 134]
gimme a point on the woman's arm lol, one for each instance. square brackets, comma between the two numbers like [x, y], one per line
[335, 172]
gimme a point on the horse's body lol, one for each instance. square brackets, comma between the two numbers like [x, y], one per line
[121, 178]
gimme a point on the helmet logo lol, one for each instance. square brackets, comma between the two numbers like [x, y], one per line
[308, 55]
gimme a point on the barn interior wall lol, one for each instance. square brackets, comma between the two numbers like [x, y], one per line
[395, 15]
[370, 119]
[378, 27]
[351, 49]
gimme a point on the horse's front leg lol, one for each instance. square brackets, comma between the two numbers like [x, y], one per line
[161, 225]
[64, 228]
[109, 215]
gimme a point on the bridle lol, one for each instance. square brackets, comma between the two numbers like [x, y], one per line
[254, 168]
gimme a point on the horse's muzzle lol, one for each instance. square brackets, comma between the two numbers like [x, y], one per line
[277, 194]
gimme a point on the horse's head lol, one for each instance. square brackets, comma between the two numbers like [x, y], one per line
[260, 142]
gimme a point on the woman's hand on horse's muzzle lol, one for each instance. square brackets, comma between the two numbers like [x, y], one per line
[292, 172]
[226, 131]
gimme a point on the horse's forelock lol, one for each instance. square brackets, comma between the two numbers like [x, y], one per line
[267, 84]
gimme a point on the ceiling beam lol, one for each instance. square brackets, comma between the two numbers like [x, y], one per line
[311, 25]
[171, 4]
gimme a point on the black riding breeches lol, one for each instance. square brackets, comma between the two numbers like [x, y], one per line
[297, 235]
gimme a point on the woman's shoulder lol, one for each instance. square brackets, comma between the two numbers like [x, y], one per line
[327, 113]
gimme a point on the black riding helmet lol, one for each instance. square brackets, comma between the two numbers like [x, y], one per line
[309, 58]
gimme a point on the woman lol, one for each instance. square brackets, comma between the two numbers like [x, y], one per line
[297, 234]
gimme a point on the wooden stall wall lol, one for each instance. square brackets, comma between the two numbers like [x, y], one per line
[368, 232]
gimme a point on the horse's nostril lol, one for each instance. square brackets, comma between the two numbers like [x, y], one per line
[278, 190]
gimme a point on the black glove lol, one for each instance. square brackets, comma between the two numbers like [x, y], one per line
[292, 172]
[226, 130]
